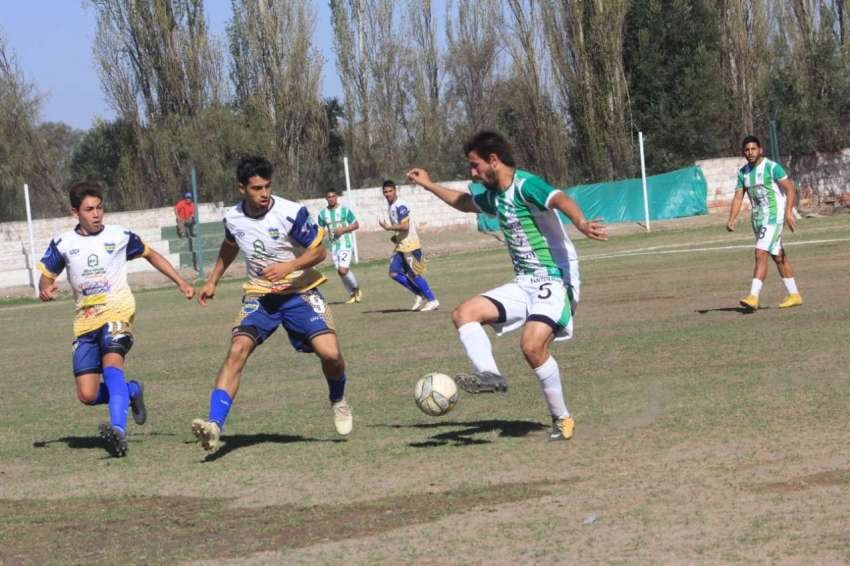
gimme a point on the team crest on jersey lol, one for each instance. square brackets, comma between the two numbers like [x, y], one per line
[274, 233]
[109, 247]
[92, 260]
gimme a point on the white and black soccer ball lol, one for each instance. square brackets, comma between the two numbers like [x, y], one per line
[435, 394]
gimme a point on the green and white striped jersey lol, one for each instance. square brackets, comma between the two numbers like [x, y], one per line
[333, 218]
[766, 198]
[536, 239]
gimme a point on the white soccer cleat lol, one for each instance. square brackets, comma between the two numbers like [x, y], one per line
[431, 306]
[420, 301]
[208, 432]
[343, 419]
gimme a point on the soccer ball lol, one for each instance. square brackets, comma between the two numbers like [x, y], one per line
[435, 394]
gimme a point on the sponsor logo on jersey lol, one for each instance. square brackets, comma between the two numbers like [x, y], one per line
[259, 246]
[274, 233]
[109, 247]
[75, 251]
[92, 260]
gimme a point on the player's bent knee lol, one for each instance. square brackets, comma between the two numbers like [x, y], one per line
[534, 352]
[342, 271]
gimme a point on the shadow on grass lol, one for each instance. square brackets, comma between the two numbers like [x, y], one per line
[739, 310]
[387, 311]
[231, 443]
[466, 431]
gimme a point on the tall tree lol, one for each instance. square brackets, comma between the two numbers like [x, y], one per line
[585, 42]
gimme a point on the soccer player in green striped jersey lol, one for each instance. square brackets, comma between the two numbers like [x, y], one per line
[545, 291]
[339, 222]
[772, 199]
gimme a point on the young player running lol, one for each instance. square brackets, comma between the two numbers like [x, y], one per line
[407, 265]
[339, 222]
[544, 294]
[772, 199]
[96, 257]
[281, 245]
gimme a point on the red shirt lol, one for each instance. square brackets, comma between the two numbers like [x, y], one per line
[184, 209]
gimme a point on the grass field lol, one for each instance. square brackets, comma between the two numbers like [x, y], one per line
[705, 434]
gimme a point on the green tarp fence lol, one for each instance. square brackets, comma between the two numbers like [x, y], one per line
[675, 194]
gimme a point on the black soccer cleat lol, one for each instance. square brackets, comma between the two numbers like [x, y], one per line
[115, 438]
[481, 382]
[137, 406]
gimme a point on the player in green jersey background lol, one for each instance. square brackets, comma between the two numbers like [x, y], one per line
[339, 222]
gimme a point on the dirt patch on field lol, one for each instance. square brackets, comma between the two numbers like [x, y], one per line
[164, 529]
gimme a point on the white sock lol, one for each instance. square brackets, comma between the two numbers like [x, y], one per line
[791, 285]
[478, 347]
[350, 281]
[755, 288]
[345, 283]
[550, 382]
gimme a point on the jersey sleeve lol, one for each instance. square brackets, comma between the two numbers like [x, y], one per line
[779, 172]
[136, 247]
[349, 217]
[305, 231]
[402, 211]
[739, 186]
[483, 199]
[228, 235]
[538, 191]
[52, 262]
[320, 220]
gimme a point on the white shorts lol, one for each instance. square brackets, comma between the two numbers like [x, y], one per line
[342, 257]
[545, 299]
[769, 238]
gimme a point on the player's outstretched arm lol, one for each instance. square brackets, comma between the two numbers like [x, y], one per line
[310, 258]
[456, 199]
[593, 229]
[226, 254]
[735, 209]
[787, 187]
[47, 288]
[164, 266]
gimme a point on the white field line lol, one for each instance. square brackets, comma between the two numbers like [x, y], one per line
[659, 250]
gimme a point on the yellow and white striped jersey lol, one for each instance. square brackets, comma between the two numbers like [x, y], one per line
[407, 240]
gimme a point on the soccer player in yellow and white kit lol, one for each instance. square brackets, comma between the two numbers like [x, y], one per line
[282, 245]
[544, 294]
[96, 257]
[772, 199]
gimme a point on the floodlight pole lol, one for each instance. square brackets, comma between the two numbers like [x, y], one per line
[643, 179]
[348, 202]
[32, 240]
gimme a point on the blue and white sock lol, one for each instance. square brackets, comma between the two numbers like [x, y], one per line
[426, 289]
[220, 403]
[336, 389]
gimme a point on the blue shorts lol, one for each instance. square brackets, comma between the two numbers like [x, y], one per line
[407, 263]
[89, 349]
[303, 316]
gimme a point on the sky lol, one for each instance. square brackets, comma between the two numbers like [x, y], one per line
[52, 44]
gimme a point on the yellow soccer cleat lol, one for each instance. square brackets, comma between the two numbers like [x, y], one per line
[352, 299]
[750, 302]
[562, 428]
[792, 300]
[358, 295]
[208, 432]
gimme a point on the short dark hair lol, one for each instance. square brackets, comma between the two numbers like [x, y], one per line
[254, 165]
[750, 139]
[486, 142]
[388, 183]
[82, 189]
[329, 191]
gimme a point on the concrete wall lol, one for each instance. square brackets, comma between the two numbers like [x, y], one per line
[368, 204]
[827, 174]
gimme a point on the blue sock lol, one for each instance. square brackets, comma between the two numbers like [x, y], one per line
[426, 289]
[406, 283]
[102, 395]
[336, 389]
[220, 402]
[133, 388]
[119, 396]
